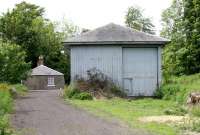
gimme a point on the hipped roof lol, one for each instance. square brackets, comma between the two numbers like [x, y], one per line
[44, 70]
[115, 34]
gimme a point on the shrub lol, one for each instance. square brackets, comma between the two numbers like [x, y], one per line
[6, 103]
[178, 88]
[71, 91]
[117, 91]
[98, 84]
[13, 67]
[171, 92]
[5, 99]
[4, 87]
[159, 93]
[83, 96]
[4, 122]
[20, 88]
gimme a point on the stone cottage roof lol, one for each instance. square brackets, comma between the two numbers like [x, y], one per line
[44, 70]
[115, 34]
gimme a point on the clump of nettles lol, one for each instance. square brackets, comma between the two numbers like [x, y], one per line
[96, 84]
[72, 92]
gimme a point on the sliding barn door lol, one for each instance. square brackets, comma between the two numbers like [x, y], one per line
[140, 71]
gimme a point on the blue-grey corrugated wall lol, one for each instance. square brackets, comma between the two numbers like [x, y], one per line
[142, 65]
[108, 59]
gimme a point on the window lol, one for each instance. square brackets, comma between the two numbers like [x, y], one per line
[51, 81]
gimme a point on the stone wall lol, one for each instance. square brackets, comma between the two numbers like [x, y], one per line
[40, 82]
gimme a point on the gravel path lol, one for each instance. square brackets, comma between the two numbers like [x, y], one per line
[44, 113]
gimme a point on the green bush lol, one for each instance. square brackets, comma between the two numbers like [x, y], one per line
[72, 92]
[4, 121]
[99, 84]
[4, 124]
[159, 93]
[117, 91]
[5, 99]
[171, 92]
[178, 88]
[69, 92]
[19, 90]
[195, 111]
[6, 104]
[13, 67]
[83, 96]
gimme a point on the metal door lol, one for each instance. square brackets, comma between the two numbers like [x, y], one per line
[140, 71]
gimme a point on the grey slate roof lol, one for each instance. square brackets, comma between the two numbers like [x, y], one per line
[113, 33]
[44, 70]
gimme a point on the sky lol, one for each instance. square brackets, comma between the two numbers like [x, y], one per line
[90, 14]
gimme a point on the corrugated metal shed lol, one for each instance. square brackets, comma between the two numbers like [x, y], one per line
[131, 58]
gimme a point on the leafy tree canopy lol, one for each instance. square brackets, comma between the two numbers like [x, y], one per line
[26, 26]
[181, 24]
[13, 67]
[192, 31]
[173, 28]
[136, 20]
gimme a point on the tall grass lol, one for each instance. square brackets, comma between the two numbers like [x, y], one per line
[178, 88]
[195, 111]
[5, 99]
[20, 89]
[6, 105]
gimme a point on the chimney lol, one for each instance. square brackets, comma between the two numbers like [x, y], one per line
[40, 60]
[85, 30]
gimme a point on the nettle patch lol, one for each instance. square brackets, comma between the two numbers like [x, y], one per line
[96, 84]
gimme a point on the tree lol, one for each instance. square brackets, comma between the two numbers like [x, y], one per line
[66, 28]
[135, 19]
[181, 24]
[18, 26]
[60, 60]
[26, 26]
[13, 67]
[192, 31]
[173, 28]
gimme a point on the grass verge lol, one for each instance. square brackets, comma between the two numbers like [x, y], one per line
[130, 110]
[173, 96]
[6, 105]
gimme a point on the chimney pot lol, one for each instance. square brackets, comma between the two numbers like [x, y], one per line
[40, 60]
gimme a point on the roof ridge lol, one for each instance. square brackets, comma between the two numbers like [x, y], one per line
[44, 70]
[114, 32]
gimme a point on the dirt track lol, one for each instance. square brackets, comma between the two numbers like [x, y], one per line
[44, 113]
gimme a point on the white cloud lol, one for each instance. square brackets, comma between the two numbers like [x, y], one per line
[94, 13]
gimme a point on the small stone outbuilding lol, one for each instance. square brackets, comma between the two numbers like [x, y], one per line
[130, 57]
[45, 78]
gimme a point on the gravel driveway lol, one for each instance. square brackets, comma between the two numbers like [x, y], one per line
[44, 113]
